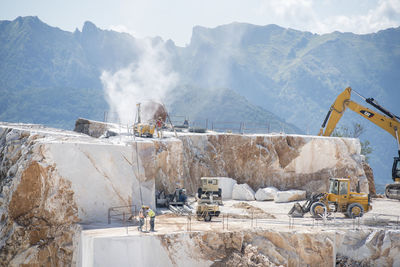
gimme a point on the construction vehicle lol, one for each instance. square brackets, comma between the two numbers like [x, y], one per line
[178, 198]
[209, 190]
[338, 199]
[386, 120]
[209, 197]
[143, 129]
[176, 202]
[206, 211]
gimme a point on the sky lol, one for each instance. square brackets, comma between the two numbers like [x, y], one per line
[174, 19]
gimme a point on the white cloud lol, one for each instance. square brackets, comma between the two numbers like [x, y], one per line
[288, 13]
[385, 15]
[316, 16]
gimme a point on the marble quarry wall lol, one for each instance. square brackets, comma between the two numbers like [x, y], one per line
[246, 248]
[53, 181]
[283, 161]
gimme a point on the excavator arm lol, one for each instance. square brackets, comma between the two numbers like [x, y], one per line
[387, 121]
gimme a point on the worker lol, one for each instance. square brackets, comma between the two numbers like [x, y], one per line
[142, 215]
[152, 216]
[159, 125]
[182, 195]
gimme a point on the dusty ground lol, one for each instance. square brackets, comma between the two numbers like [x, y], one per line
[237, 215]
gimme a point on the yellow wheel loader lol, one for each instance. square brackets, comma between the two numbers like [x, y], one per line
[338, 199]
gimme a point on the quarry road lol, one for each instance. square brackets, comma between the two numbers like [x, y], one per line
[244, 215]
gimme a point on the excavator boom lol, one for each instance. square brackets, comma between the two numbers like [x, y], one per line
[387, 121]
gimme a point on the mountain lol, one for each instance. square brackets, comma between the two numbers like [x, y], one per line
[266, 74]
[52, 77]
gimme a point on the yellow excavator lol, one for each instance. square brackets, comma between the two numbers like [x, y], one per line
[386, 120]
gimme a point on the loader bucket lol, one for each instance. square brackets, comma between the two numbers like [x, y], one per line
[296, 211]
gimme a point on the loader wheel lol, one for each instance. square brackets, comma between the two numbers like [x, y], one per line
[219, 192]
[317, 209]
[355, 210]
[207, 218]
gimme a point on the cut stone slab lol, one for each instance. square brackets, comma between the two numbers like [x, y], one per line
[91, 128]
[242, 192]
[226, 184]
[267, 193]
[290, 195]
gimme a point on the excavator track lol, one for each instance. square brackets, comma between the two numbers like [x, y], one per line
[392, 191]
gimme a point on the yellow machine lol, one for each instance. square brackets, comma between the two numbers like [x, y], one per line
[387, 121]
[206, 211]
[142, 129]
[209, 190]
[338, 199]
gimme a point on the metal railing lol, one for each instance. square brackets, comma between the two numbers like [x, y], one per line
[228, 221]
[241, 127]
[122, 213]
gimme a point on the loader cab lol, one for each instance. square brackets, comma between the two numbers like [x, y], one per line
[339, 186]
[396, 169]
[339, 189]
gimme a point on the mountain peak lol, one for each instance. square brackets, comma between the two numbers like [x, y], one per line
[32, 21]
[89, 27]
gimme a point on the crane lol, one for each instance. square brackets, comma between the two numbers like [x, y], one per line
[384, 119]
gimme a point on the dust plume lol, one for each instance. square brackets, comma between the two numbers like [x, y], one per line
[150, 78]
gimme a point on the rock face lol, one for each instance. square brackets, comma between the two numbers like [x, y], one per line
[52, 182]
[290, 195]
[370, 248]
[370, 177]
[246, 248]
[268, 193]
[242, 192]
[283, 161]
[38, 212]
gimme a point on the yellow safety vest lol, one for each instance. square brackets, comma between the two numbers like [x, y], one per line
[151, 213]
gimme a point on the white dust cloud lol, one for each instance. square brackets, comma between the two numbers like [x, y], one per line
[150, 78]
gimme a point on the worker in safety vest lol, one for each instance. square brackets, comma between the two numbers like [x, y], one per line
[142, 215]
[152, 216]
